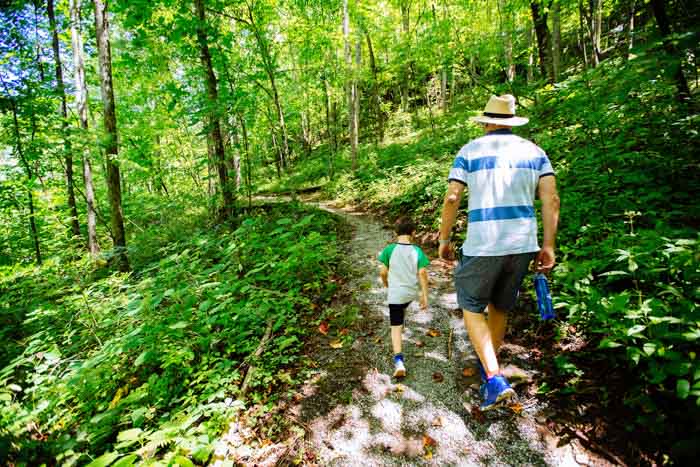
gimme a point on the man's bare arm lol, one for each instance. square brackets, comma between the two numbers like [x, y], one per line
[423, 279]
[547, 191]
[450, 206]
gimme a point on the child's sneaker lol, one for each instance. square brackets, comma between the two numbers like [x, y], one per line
[399, 368]
[496, 390]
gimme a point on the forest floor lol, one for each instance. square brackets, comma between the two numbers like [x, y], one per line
[352, 412]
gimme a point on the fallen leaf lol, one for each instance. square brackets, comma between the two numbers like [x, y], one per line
[344, 332]
[378, 340]
[428, 441]
[297, 397]
[437, 377]
[398, 388]
[336, 344]
[516, 407]
[428, 455]
[420, 343]
[323, 328]
[437, 422]
[477, 414]
[433, 332]
[468, 372]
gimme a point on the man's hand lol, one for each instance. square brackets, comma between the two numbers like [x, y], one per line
[545, 259]
[444, 252]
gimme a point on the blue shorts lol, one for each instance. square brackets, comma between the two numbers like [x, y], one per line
[481, 280]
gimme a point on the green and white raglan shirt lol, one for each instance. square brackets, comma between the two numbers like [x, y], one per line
[403, 260]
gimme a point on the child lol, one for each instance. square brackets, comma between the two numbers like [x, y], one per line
[403, 265]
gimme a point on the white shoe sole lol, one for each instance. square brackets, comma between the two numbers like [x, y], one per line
[505, 396]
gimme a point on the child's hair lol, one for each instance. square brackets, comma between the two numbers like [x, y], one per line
[404, 226]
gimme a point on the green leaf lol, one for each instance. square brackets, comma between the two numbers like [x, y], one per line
[183, 461]
[126, 461]
[608, 344]
[682, 388]
[104, 460]
[284, 221]
[649, 348]
[127, 436]
[141, 358]
[636, 329]
[179, 325]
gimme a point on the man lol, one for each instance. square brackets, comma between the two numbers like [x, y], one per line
[503, 173]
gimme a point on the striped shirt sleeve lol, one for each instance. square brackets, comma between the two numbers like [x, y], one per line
[546, 168]
[460, 168]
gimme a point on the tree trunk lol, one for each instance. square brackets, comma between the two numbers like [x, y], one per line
[214, 123]
[329, 129]
[248, 170]
[110, 124]
[350, 82]
[81, 102]
[539, 18]
[405, 8]
[630, 29]
[582, 33]
[556, 40]
[595, 29]
[355, 93]
[68, 156]
[659, 7]
[506, 26]
[379, 115]
[530, 55]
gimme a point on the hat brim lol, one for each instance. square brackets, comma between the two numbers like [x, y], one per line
[512, 121]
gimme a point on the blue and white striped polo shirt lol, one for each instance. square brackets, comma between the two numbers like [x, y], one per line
[502, 171]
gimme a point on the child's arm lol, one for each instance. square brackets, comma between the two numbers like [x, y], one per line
[384, 275]
[423, 278]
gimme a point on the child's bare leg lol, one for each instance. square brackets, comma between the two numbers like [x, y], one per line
[396, 335]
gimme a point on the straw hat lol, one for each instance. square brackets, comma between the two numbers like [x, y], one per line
[500, 111]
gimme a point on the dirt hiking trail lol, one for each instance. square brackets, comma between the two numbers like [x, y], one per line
[354, 413]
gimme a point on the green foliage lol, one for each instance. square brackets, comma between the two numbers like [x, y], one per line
[146, 362]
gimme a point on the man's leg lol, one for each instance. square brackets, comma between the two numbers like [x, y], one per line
[480, 336]
[497, 321]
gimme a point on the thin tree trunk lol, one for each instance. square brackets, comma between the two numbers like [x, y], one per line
[506, 26]
[110, 123]
[379, 115]
[539, 18]
[246, 147]
[630, 29]
[355, 92]
[597, 29]
[350, 82]
[582, 33]
[214, 123]
[556, 39]
[329, 129]
[68, 156]
[659, 7]
[530, 55]
[404, 6]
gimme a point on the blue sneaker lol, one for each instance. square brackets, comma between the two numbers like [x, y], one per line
[496, 390]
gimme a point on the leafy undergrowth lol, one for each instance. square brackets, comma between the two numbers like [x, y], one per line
[149, 365]
[626, 285]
